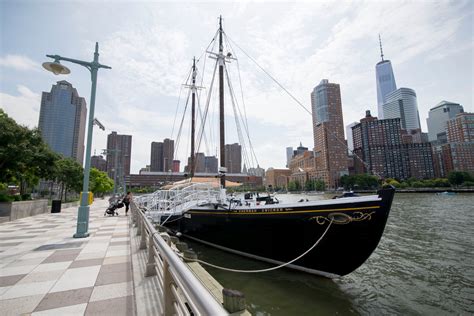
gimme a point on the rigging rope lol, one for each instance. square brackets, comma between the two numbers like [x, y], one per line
[271, 77]
[186, 82]
[305, 108]
[236, 116]
[262, 270]
[178, 139]
[201, 131]
[242, 117]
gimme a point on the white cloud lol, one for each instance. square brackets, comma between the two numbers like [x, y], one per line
[311, 41]
[299, 43]
[23, 108]
[19, 62]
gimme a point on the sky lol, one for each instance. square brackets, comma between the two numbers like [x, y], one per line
[150, 46]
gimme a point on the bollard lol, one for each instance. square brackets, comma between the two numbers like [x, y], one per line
[189, 255]
[234, 300]
[182, 246]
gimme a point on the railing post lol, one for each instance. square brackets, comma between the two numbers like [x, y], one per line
[167, 293]
[143, 235]
[134, 214]
[150, 266]
[139, 224]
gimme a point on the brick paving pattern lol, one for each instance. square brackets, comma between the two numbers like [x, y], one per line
[45, 271]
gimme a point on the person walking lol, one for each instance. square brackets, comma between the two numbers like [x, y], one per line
[126, 200]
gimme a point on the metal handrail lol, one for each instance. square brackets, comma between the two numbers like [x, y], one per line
[178, 200]
[179, 286]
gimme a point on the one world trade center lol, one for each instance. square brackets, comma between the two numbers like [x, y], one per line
[385, 81]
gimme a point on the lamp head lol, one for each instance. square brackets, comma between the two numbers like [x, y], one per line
[56, 68]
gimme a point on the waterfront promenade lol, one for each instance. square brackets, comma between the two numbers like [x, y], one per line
[45, 271]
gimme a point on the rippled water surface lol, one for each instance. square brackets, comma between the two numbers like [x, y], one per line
[424, 265]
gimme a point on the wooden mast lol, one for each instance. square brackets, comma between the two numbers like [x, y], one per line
[221, 61]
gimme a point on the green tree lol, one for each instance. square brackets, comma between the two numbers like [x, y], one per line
[319, 185]
[294, 186]
[100, 182]
[459, 177]
[309, 185]
[69, 173]
[24, 157]
[361, 181]
[347, 182]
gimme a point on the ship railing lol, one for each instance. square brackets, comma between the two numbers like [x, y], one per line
[178, 200]
[181, 291]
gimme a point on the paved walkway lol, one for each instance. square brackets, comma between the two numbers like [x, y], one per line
[44, 271]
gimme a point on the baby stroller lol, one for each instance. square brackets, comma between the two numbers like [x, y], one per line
[114, 204]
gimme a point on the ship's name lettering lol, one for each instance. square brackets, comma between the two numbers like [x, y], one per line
[264, 210]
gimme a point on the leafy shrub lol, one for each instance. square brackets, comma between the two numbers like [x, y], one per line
[403, 185]
[442, 182]
[417, 184]
[26, 197]
[5, 197]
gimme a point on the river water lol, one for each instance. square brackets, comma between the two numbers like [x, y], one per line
[424, 265]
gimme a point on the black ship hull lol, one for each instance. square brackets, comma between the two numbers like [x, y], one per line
[280, 233]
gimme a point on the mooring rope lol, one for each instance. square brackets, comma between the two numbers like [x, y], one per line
[260, 270]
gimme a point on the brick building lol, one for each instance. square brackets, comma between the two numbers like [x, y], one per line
[389, 151]
[458, 153]
[330, 149]
[277, 178]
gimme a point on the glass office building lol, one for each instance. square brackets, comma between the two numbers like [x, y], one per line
[62, 120]
[438, 117]
[402, 104]
[385, 84]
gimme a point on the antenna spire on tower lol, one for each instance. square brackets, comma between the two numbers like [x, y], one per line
[381, 51]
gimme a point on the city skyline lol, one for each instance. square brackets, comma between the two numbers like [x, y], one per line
[151, 50]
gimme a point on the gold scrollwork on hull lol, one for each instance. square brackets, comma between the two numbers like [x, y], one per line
[343, 218]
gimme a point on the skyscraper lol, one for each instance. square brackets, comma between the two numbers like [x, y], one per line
[438, 117]
[119, 149]
[300, 149]
[210, 164]
[168, 154]
[162, 155]
[289, 154]
[233, 158]
[350, 141]
[156, 158]
[402, 104]
[385, 81]
[62, 120]
[330, 150]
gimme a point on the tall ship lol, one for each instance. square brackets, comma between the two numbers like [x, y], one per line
[330, 237]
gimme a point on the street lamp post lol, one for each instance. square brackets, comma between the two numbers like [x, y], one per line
[82, 229]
